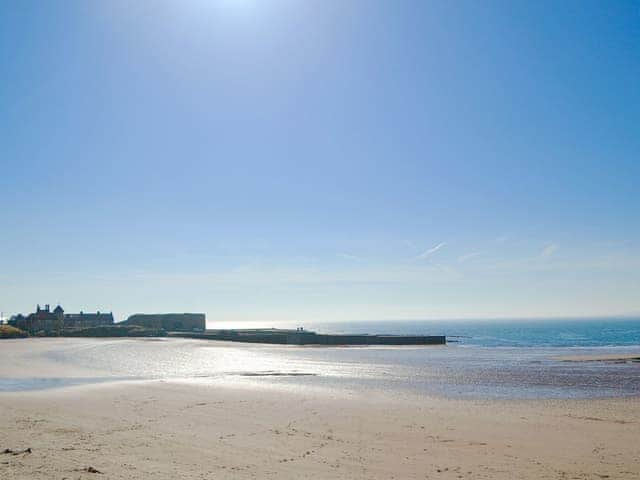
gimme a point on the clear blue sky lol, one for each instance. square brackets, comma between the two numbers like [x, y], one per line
[321, 160]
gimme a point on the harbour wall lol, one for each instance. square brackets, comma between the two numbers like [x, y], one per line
[295, 337]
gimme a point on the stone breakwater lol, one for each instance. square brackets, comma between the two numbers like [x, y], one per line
[303, 337]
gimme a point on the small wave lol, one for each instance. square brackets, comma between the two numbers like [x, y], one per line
[276, 374]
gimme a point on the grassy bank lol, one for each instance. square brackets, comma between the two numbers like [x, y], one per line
[7, 331]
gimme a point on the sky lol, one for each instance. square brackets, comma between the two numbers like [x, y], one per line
[321, 160]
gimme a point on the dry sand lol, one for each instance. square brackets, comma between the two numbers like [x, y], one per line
[164, 430]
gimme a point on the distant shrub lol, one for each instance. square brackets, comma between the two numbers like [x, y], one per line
[7, 331]
[114, 331]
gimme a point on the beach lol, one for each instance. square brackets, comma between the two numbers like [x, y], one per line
[370, 240]
[159, 429]
[197, 409]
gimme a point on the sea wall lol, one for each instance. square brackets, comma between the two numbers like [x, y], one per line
[297, 337]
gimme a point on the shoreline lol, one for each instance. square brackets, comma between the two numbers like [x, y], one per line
[261, 382]
[440, 371]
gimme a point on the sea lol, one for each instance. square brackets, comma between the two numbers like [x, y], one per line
[484, 359]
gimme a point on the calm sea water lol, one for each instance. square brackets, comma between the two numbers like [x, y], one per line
[596, 332]
[490, 360]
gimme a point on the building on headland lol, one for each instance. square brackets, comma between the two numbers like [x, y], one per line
[42, 320]
[49, 321]
[171, 322]
[84, 319]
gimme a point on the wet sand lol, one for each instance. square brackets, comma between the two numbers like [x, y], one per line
[167, 430]
[625, 357]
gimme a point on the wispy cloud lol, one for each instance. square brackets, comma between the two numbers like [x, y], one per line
[431, 251]
[347, 256]
[549, 250]
[468, 256]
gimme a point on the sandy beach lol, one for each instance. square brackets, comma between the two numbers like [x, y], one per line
[167, 430]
